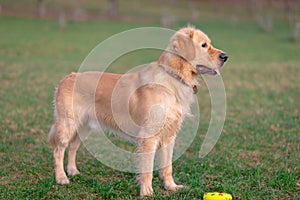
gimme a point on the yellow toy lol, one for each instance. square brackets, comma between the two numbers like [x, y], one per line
[217, 196]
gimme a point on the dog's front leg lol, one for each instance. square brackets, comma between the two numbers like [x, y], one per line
[165, 154]
[146, 148]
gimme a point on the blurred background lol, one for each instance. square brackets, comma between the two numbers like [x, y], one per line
[257, 155]
[168, 13]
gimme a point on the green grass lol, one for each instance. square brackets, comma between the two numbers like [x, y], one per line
[257, 156]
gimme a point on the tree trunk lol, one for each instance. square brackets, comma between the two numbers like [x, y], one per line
[41, 8]
[114, 8]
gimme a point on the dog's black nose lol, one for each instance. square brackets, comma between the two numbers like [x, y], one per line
[223, 57]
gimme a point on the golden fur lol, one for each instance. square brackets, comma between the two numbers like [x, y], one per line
[156, 98]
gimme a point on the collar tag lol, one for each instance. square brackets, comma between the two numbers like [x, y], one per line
[195, 89]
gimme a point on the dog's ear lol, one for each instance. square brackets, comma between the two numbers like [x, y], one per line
[182, 44]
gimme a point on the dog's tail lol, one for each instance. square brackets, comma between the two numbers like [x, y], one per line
[51, 136]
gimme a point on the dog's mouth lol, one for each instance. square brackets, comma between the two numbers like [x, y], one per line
[202, 69]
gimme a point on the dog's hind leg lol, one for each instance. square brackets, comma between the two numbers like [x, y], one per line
[65, 131]
[73, 147]
[58, 154]
[74, 144]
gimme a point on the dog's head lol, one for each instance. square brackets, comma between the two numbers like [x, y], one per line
[195, 47]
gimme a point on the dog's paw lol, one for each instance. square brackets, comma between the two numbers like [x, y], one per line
[73, 172]
[62, 180]
[146, 191]
[174, 187]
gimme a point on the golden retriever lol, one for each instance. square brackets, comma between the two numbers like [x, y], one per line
[146, 107]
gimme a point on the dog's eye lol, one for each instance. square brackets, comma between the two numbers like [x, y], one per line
[204, 45]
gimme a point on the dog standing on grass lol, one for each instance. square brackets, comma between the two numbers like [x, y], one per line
[85, 100]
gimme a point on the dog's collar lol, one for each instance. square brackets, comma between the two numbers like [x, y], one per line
[178, 77]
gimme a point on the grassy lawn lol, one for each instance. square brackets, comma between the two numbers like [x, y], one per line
[256, 157]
